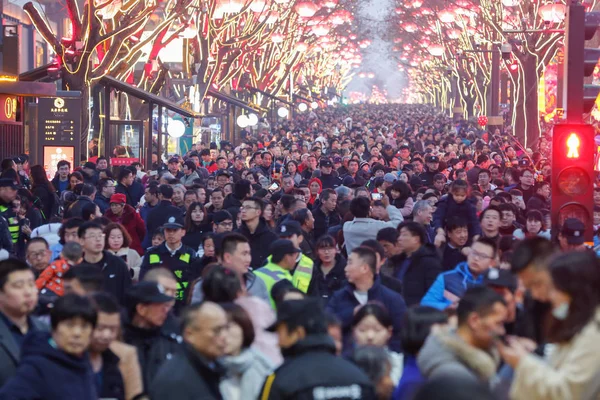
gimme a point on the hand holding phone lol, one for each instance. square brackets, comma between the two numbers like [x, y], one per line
[376, 196]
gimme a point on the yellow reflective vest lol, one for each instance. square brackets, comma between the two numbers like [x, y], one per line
[13, 222]
[273, 273]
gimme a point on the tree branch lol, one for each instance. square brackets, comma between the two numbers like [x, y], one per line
[43, 28]
[75, 18]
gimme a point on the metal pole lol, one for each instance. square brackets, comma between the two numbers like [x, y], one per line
[495, 82]
[574, 57]
[159, 134]
[107, 141]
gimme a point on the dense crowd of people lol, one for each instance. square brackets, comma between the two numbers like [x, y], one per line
[362, 252]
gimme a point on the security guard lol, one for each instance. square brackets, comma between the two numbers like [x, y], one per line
[310, 353]
[304, 268]
[8, 193]
[175, 256]
[283, 259]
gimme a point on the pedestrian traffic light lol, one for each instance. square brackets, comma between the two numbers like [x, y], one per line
[573, 149]
[579, 97]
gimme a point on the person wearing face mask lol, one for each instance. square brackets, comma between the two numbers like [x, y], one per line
[573, 365]
[465, 352]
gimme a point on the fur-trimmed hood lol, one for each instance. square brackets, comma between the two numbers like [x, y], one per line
[446, 354]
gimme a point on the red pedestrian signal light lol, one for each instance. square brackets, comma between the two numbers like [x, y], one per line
[573, 149]
[573, 144]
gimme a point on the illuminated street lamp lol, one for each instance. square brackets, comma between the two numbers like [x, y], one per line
[283, 112]
[243, 121]
[302, 107]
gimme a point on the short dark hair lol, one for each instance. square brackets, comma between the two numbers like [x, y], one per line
[190, 164]
[124, 173]
[105, 302]
[257, 202]
[373, 361]
[325, 241]
[535, 252]
[68, 224]
[62, 163]
[326, 193]
[490, 243]
[388, 235]
[72, 306]
[91, 278]
[104, 182]
[375, 246]
[478, 299]
[360, 206]
[221, 285]
[87, 226]
[417, 325]
[368, 256]
[455, 222]
[9, 266]
[415, 229]
[38, 239]
[239, 316]
[375, 309]
[301, 215]
[229, 242]
[166, 191]
[490, 208]
[484, 171]
[87, 189]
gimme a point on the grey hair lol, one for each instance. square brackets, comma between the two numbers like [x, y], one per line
[420, 206]
[343, 192]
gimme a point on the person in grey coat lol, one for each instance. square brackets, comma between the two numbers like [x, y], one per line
[246, 367]
[466, 353]
[189, 174]
[362, 227]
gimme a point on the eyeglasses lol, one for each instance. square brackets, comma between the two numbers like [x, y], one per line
[95, 237]
[37, 254]
[479, 256]
[248, 208]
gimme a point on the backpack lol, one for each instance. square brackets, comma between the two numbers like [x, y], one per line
[56, 211]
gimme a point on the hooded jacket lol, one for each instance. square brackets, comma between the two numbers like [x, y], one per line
[451, 284]
[325, 286]
[133, 223]
[312, 199]
[311, 367]
[260, 242]
[188, 180]
[102, 202]
[446, 355]
[446, 207]
[75, 210]
[47, 372]
[423, 268]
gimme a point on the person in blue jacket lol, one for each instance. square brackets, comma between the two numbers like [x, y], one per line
[364, 286]
[56, 366]
[456, 204]
[449, 287]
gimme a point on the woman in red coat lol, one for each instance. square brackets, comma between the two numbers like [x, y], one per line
[124, 214]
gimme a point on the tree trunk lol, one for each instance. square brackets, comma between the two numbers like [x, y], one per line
[525, 109]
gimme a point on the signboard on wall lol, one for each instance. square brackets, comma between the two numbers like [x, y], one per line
[59, 120]
[8, 108]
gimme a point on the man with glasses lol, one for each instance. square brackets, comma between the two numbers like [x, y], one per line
[526, 184]
[255, 229]
[38, 255]
[222, 222]
[194, 370]
[61, 181]
[106, 188]
[450, 286]
[117, 278]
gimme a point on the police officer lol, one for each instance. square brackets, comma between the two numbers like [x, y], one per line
[175, 256]
[304, 268]
[150, 327]
[8, 194]
[283, 260]
[310, 352]
[432, 168]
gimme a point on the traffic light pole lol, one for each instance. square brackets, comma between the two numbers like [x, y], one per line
[573, 92]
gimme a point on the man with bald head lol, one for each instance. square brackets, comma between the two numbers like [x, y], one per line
[195, 371]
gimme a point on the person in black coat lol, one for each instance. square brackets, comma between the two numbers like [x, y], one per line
[161, 213]
[418, 265]
[194, 372]
[457, 236]
[456, 204]
[310, 364]
[55, 366]
[75, 210]
[117, 278]
[256, 230]
[150, 328]
[43, 191]
[328, 271]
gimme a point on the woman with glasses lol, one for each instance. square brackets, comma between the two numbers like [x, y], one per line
[328, 272]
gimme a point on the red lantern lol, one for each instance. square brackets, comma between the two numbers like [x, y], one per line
[482, 121]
